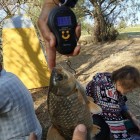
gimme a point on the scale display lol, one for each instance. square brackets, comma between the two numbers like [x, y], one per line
[64, 21]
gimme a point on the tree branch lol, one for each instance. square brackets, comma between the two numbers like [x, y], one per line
[111, 11]
[111, 2]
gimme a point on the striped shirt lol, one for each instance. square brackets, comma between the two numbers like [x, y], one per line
[17, 115]
[102, 90]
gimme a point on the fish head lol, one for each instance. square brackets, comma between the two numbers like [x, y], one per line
[62, 80]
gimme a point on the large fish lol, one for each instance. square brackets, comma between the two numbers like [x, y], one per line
[69, 106]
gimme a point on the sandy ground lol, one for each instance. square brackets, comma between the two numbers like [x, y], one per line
[91, 60]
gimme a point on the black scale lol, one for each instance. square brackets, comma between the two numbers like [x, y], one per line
[62, 22]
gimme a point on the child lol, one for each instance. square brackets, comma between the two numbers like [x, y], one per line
[108, 91]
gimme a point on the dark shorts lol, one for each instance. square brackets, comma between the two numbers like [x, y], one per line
[105, 131]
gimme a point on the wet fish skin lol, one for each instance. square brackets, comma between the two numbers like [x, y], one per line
[68, 106]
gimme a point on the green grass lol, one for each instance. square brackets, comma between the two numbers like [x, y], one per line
[129, 31]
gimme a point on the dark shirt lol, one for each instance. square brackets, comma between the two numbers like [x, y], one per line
[69, 3]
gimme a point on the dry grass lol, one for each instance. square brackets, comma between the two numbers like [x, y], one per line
[92, 59]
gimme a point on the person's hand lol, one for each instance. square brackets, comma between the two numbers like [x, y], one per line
[80, 133]
[32, 136]
[48, 36]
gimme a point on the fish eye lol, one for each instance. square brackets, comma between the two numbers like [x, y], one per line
[59, 77]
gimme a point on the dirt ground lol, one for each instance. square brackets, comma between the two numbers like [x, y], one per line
[103, 57]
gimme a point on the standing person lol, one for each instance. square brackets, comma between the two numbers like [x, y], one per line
[108, 91]
[48, 36]
[17, 115]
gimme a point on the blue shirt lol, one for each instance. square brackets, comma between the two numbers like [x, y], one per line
[17, 115]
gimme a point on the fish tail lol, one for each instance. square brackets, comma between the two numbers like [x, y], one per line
[94, 131]
[94, 108]
[53, 134]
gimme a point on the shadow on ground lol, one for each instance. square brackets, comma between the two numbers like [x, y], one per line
[92, 59]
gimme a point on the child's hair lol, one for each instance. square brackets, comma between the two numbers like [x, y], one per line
[128, 76]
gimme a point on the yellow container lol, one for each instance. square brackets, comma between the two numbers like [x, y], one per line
[22, 53]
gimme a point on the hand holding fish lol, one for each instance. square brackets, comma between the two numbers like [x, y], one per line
[68, 106]
[32, 136]
[79, 133]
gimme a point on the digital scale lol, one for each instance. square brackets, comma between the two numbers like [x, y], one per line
[62, 22]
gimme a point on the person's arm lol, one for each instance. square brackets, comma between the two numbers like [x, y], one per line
[48, 36]
[127, 114]
[32, 136]
[6, 103]
[42, 21]
[80, 133]
[134, 119]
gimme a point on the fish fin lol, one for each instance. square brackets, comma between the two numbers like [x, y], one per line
[94, 108]
[53, 134]
[94, 130]
[90, 99]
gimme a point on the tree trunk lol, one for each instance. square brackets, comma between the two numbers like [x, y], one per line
[99, 32]
[103, 30]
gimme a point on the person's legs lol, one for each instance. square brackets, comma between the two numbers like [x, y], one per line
[105, 131]
[135, 136]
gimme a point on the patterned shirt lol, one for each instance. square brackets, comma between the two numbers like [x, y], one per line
[17, 115]
[112, 103]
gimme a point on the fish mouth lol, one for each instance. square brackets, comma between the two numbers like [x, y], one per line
[56, 75]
